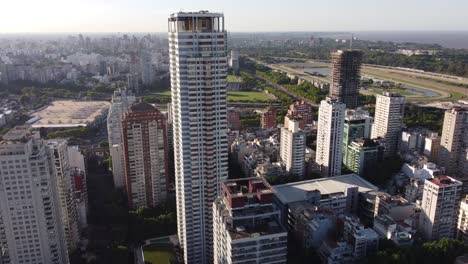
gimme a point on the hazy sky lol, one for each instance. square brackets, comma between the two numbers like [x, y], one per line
[241, 15]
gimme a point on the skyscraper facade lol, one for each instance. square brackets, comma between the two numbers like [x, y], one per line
[330, 137]
[454, 143]
[388, 121]
[198, 66]
[346, 77]
[121, 101]
[357, 124]
[292, 148]
[145, 155]
[440, 208]
[58, 155]
[30, 223]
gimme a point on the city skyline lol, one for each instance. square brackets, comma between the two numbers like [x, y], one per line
[150, 16]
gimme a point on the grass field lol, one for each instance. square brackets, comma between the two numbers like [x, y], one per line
[235, 96]
[158, 253]
[233, 78]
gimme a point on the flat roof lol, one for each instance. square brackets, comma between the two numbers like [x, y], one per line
[296, 191]
[69, 113]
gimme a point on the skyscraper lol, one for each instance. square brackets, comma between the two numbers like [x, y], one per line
[440, 208]
[247, 227]
[330, 137]
[388, 121]
[357, 124]
[198, 65]
[292, 148]
[346, 76]
[30, 223]
[146, 67]
[454, 143]
[121, 101]
[268, 117]
[145, 155]
[58, 155]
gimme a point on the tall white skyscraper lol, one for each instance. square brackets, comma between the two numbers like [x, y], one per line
[454, 143]
[58, 155]
[198, 65]
[388, 121]
[330, 137]
[440, 208]
[292, 148]
[30, 223]
[121, 101]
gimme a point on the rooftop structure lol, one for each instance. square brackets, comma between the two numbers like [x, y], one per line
[296, 191]
[69, 114]
[246, 225]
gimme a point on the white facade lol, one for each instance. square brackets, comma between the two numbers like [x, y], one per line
[463, 221]
[440, 208]
[388, 121]
[121, 101]
[198, 66]
[330, 137]
[58, 155]
[292, 148]
[30, 223]
[248, 231]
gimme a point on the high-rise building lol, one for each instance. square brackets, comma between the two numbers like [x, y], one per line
[346, 76]
[58, 155]
[146, 67]
[121, 101]
[388, 121]
[362, 154]
[303, 110]
[440, 207]
[246, 224]
[234, 60]
[78, 174]
[432, 147]
[357, 124]
[145, 155]
[234, 119]
[454, 143]
[30, 223]
[330, 137]
[292, 148]
[463, 221]
[268, 117]
[198, 65]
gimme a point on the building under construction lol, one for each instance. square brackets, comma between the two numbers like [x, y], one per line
[345, 76]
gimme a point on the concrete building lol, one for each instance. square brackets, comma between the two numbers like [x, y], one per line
[357, 124]
[432, 147]
[246, 224]
[292, 148]
[330, 137]
[362, 154]
[234, 60]
[339, 194]
[346, 77]
[463, 221]
[397, 207]
[440, 208]
[234, 119]
[121, 101]
[454, 143]
[146, 67]
[58, 156]
[303, 110]
[336, 252]
[200, 125]
[78, 174]
[388, 121]
[30, 223]
[145, 155]
[364, 241]
[268, 117]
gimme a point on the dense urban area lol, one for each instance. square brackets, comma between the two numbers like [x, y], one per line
[201, 147]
